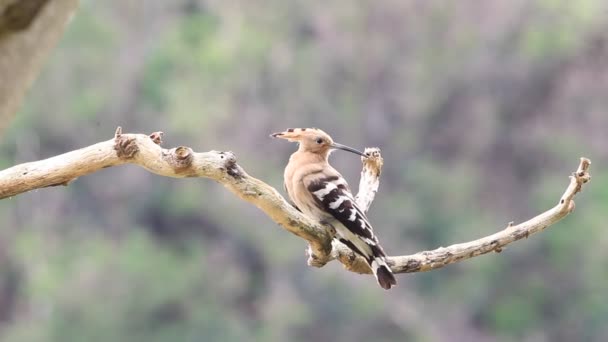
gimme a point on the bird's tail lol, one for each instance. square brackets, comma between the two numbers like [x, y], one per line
[373, 253]
[383, 273]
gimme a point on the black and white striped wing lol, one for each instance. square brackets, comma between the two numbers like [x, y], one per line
[333, 195]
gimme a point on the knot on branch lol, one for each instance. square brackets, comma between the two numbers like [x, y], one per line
[582, 174]
[325, 249]
[317, 258]
[180, 158]
[578, 178]
[124, 145]
[232, 168]
[157, 137]
[374, 161]
[410, 266]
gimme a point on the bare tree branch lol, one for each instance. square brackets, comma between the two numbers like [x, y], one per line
[370, 178]
[180, 162]
[430, 260]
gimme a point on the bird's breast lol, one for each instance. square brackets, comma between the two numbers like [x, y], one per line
[298, 192]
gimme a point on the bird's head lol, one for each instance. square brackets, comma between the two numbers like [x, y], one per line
[314, 140]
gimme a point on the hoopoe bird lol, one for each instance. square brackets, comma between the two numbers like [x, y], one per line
[319, 191]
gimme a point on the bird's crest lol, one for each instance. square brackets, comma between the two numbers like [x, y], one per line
[314, 140]
[297, 134]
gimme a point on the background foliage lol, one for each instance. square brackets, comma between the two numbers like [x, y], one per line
[481, 110]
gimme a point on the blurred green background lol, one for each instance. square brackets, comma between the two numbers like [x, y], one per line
[481, 109]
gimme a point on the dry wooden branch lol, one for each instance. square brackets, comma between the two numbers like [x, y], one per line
[180, 162]
[430, 260]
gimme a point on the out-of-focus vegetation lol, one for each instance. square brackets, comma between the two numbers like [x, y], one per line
[481, 110]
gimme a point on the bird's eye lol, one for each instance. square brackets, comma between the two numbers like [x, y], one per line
[319, 140]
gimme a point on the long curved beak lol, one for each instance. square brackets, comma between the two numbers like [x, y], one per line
[349, 149]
